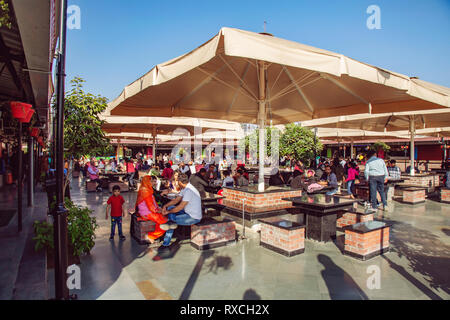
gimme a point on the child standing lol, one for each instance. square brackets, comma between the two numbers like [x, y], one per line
[115, 205]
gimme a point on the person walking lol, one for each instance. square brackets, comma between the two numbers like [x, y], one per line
[377, 174]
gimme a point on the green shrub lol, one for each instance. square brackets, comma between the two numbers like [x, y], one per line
[44, 235]
[80, 229]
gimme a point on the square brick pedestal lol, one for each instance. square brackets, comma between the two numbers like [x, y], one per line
[282, 236]
[414, 195]
[212, 233]
[366, 240]
[444, 195]
[140, 227]
[348, 218]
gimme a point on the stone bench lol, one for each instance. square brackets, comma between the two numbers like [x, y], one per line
[282, 236]
[139, 228]
[363, 192]
[347, 218]
[91, 186]
[212, 209]
[212, 233]
[366, 240]
[444, 195]
[414, 195]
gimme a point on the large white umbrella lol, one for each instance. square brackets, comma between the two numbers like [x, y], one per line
[251, 78]
[415, 122]
[151, 127]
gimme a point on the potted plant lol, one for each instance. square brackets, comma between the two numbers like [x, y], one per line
[80, 232]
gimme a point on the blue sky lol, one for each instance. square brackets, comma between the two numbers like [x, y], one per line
[121, 40]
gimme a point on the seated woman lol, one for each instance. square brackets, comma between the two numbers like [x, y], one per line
[172, 185]
[149, 210]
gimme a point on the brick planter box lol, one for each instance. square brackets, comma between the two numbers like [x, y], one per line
[139, 228]
[212, 233]
[429, 181]
[282, 236]
[414, 195]
[366, 240]
[444, 195]
[255, 202]
[348, 218]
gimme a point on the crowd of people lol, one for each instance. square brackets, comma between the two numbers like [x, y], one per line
[188, 182]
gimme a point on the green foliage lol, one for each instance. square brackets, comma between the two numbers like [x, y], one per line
[83, 132]
[380, 145]
[44, 235]
[5, 19]
[255, 137]
[298, 142]
[80, 229]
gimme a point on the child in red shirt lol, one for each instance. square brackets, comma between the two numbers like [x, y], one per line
[115, 204]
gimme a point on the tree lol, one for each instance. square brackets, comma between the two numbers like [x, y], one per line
[380, 145]
[5, 19]
[298, 142]
[83, 134]
[255, 137]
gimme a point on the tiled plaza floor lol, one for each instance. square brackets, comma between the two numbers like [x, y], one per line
[418, 266]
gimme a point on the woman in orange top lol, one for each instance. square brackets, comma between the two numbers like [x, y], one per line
[148, 208]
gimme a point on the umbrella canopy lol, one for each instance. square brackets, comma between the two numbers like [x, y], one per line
[170, 137]
[350, 135]
[353, 135]
[161, 125]
[249, 77]
[416, 122]
[394, 121]
[220, 80]
[150, 127]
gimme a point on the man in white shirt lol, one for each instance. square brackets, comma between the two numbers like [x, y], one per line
[192, 167]
[184, 210]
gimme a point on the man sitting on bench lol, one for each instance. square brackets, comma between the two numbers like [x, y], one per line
[184, 210]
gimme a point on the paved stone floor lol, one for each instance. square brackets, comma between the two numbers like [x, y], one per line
[418, 266]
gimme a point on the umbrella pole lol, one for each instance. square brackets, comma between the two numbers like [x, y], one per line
[262, 120]
[154, 144]
[351, 150]
[413, 131]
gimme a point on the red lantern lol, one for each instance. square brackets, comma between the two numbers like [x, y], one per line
[20, 110]
[34, 132]
[27, 117]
